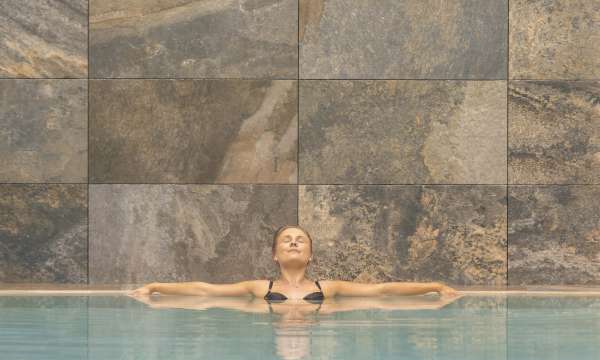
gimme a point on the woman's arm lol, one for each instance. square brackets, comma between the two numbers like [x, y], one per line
[198, 288]
[349, 288]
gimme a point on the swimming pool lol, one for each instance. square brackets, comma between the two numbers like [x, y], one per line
[160, 327]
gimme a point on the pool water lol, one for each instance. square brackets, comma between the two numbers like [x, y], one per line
[162, 327]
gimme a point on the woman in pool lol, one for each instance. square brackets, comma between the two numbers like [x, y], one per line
[292, 250]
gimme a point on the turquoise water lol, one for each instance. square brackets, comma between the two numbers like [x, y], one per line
[472, 327]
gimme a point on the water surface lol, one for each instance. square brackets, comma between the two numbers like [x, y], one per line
[169, 327]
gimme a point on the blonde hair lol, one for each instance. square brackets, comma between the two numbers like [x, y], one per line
[280, 230]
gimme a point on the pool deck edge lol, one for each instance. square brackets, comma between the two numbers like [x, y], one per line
[558, 291]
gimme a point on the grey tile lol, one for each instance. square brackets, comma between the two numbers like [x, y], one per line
[376, 233]
[43, 130]
[428, 39]
[407, 132]
[554, 132]
[193, 131]
[43, 233]
[213, 233]
[43, 38]
[194, 38]
[554, 235]
[554, 39]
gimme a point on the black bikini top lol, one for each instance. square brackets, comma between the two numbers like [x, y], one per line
[315, 296]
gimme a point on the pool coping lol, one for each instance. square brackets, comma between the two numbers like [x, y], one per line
[90, 290]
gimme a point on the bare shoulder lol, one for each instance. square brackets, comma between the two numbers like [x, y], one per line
[331, 287]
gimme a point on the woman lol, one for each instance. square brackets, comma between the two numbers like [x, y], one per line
[292, 250]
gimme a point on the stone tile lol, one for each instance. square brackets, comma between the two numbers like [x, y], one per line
[554, 132]
[405, 131]
[194, 38]
[554, 39]
[554, 235]
[43, 38]
[193, 131]
[43, 233]
[43, 130]
[357, 39]
[213, 233]
[376, 233]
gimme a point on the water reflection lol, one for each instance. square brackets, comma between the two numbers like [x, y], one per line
[291, 310]
[293, 321]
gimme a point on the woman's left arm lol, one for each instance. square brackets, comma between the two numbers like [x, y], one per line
[349, 288]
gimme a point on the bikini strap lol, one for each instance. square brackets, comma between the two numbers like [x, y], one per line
[270, 284]
[319, 286]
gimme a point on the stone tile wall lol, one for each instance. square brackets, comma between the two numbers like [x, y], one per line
[166, 140]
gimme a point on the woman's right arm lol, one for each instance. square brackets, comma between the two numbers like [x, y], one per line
[198, 288]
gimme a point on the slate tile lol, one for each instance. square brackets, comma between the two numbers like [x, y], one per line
[43, 233]
[43, 38]
[43, 130]
[168, 233]
[199, 39]
[193, 131]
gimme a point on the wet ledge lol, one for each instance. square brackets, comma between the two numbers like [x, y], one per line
[122, 289]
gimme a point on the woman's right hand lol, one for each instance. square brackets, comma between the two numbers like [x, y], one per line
[145, 290]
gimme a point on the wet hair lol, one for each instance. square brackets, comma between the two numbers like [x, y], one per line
[280, 230]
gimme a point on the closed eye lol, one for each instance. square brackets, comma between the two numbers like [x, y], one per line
[300, 238]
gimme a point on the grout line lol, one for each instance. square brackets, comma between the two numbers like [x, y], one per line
[88, 143]
[42, 183]
[198, 78]
[298, 119]
[298, 41]
[298, 78]
[44, 78]
[450, 79]
[282, 184]
[442, 184]
[507, 130]
[88, 184]
[507, 166]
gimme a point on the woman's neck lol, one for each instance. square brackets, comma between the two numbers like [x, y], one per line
[293, 277]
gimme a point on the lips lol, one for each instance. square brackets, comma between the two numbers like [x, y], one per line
[294, 250]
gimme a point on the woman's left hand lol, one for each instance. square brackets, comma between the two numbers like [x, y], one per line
[447, 291]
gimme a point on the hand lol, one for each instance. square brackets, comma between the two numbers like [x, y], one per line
[145, 290]
[447, 291]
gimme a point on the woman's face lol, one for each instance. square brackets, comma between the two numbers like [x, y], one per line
[293, 247]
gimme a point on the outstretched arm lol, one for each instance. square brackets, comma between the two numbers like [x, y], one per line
[198, 288]
[349, 288]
